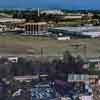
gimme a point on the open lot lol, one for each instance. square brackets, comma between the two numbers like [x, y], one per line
[14, 44]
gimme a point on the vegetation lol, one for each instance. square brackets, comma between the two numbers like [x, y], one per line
[25, 45]
[57, 20]
[24, 66]
[71, 62]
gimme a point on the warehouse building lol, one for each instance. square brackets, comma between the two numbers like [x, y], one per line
[10, 24]
[38, 28]
[53, 12]
[80, 31]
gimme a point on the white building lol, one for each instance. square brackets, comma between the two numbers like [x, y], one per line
[11, 20]
[63, 38]
[55, 12]
[38, 28]
[13, 59]
[73, 17]
[87, 31]
[10, 24]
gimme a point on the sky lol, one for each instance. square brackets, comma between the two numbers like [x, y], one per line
[68, 4]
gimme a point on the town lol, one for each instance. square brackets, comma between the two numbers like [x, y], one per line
[49, 54]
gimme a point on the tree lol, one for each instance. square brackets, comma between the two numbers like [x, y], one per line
[79, 64]
[67, 57]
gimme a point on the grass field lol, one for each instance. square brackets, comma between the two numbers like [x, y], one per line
[14, 44]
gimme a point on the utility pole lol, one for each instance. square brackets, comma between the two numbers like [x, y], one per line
[85, 51]
[38, 12]
[41, 52]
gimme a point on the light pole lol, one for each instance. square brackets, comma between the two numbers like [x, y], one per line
[85, 51]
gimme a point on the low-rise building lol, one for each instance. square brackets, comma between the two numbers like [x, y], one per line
[11, 20]
[10, 24]
[63, 38]
[94, 63]
[13, 59]
[81, 78]
[57, 12]
[73, 17]
[79, 31]
[36, 28]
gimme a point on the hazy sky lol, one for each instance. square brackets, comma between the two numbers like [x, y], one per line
[70, 4]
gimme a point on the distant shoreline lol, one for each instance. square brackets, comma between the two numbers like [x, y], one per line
[65, 10]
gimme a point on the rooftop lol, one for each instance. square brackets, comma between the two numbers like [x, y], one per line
[57, 12]
[39, 23]
[4, 20]
[79, 28]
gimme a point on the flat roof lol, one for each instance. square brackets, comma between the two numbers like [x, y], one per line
[79, 28]
[73, 17]
[92, 34]
[90, 31]
[35, 23]
[4, 20]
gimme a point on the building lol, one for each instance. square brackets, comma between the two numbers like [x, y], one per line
[3, 28]
[13, 59]
[81, 78]
[26, 78]
[44, 91]
[80, 31]
[10, 24]
[38, 28]
[30, 78]
[86, 97]
[63, 38]
[11, 20]
[95, 63]
[53, 12]
[73, 17]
